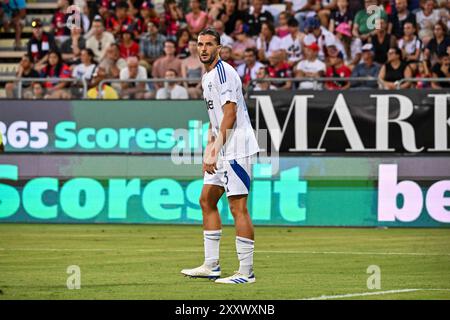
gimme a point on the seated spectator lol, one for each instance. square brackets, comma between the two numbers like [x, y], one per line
[120, 21]
[37, 92]
[71, 48]
[292, 43]
[410, 44]
[282, 30]
[423, 71]
[85, 69]
[168, 61]
[324, 13]
[267, 41]
[134, 90]
[361, 27]
[171, 90]
[24, 70]
[229, 15]
[100, 40]
[197, 19]
[402, 16]
[381, 42]
[367, 68]
[255, 16]
[441, 70]
[56, 68]
[439, 44]
[183, 36]
[13, 16]
[394, 70]
[107, 92]
[128, 47]
[332, 47]
[242, 43]
[151, 45]
[148, 15]
[261, 85]
[192, 68]
[426, 18]
[59, 21]
[279, 68]
[317, 33]
[340, 14]
[311, 67]
[225, 55]
[225, 40]
[171, 19]
[351, 46]
[112, 63]
[301, 9]
[39, 45]
[337, 69]
[247, 71]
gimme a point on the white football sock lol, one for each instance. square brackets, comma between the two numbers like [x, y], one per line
[245, 248]
[211, 242]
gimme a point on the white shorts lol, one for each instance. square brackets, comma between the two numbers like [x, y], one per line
[232, 175]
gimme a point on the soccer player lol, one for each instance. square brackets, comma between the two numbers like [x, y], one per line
[226, 162]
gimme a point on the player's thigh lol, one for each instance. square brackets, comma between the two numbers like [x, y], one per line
[210, 195]
[238, 204]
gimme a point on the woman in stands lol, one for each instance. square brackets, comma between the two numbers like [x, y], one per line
[56, 68]
[395, 70]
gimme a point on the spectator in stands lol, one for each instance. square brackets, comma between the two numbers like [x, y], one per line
[279, 68]
[256, 16]
[148, 14]
[410, 44]
[128, 47]
[394, 70]
[112, 63]
[423, 71]
[151, 45]
[441, 70]
[282, 29]
[267, 42]
[292, 43]
[197, 19]
[351, 46]
[38, 92]
[39, 45]
[107, 92]
[402, 16]
[168, 61]
[229, 15]
[439, 44]
[311, 67]
[71, 48]
[86, 68]
[242, 43]
[367, 68]
[134, 90]
[247, 71]
[226, 55]
[100, 40]
[382, 41]
[225, 40]
[317, 33]
[12, 15]
[427, 18]
[341, 14]
[121, 20]
[183, 36]
[337, 69]
[59, 21]
[326, 7]
[56, 68]
[302, 9]
[192, 68]
[24, 70]
[172, 90]
[361, 27]
[262, 85]
[171, 19]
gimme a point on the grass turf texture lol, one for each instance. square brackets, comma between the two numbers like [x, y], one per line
[144, 262]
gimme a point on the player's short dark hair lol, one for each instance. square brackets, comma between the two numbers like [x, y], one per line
[212, 32]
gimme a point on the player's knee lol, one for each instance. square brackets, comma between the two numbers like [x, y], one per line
[206, 205]
[238, 210]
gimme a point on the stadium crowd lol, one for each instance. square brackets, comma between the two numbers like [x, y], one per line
[138, 39]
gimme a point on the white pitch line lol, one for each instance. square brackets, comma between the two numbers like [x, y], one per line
[256, 251]
[352, 295]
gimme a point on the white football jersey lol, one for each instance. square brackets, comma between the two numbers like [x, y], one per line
[220, 85]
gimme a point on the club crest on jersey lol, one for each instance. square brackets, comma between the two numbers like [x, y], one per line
[210, 86]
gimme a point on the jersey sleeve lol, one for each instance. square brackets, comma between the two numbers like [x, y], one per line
[228, 86]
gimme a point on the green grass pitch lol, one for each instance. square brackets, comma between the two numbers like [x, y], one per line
[144, 262]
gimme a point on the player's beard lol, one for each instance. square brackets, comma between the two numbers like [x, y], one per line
[211, 58]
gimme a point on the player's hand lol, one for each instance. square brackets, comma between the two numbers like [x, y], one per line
[210, 159]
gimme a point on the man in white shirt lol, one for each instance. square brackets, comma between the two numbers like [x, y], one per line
[100, 40]
[247, 71]
[172, 90]
[292, 43]
[136, 90]
[225, 39]
[317, 33]
[311, 67]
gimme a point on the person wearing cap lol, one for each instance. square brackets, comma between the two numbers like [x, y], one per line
[100, 40]
[317, 33]
[128, 47]
[310, 67]
[340, 15]
[292, 43]
[40, 44]
[362, 27]
[351, 46]
[366, 68]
